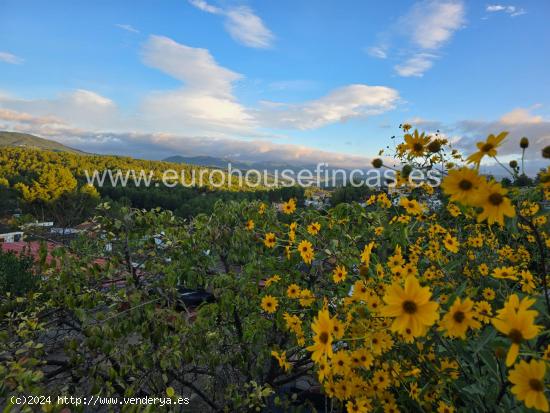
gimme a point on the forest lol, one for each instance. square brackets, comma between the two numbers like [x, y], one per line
[51, 185]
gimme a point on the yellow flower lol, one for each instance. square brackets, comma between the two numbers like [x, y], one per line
[378, 230]
[495, 205]
[290, 206]
[483, 311]
[411, 206]
[269, 304]
[415, 143]
[306, 298]
[489, 148]
[269, 240]
[339, 274]
[365, 255]
[519, 326]
[306, 251]
[459, 319]
[483, 269]
[272, 280]
[361, 357]
[382, 379]
[453, 210]
[322, 327]
[462, 184]
[293, 291]
[528, 384]
[489, 294]
[360, 291]
[262, 208]
[338, 328]
[451, 243]
[505, 273]
[250, 225]
[281, 358]
[314, 228]
[341, 363]
[411, 306]
[361, 405]
[445, 408]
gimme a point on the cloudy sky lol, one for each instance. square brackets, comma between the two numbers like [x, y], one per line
[299, 82]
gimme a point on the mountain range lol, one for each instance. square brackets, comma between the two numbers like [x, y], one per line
[25, 140]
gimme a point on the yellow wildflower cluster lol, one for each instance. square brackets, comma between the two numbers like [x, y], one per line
[406, 306]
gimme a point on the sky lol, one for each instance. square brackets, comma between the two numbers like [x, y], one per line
[300, 82]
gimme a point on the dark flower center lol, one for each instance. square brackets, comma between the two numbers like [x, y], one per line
[515, 335]
[536, 385]
[487, 147]
[418, 147]
[323, 337]
[409, 307]
[465, 185]
[459, 316]
[496, 199]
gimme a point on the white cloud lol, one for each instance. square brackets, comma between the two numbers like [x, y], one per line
[432, 23]
[378, 52]
[520, 116]
[160, 145]
[127, 27]
[424, 29]
[242, 24]
[415, 65]
[513, 11]
[247, 28]
[341, 104]
[194, 66]
[204, 6]
[205, 104]
[83, 108]
[518, 122]
[10, 58]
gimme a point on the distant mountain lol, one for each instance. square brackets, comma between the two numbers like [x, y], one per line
[26, 140]
[222, 163]
[209, 161]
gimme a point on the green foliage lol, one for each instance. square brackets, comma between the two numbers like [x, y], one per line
[16, 274]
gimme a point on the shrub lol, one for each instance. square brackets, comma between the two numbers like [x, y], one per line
[16, 274]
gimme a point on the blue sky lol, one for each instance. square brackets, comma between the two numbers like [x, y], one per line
[296, 81]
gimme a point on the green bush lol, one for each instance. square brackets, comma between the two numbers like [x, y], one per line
[16, 275]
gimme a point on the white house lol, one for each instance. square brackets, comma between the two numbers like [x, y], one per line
[9, 237]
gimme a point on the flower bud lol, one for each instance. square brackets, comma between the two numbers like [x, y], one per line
[524, 143]
[434, 146]
[377, 163]
[406, 171]
[513, 164]
[546, 152]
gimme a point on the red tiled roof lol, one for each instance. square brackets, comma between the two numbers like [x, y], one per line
[33, 248]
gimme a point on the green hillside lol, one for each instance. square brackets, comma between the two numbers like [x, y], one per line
[25, 140]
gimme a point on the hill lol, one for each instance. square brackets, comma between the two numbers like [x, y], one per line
[221, 163]
[25, 140]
